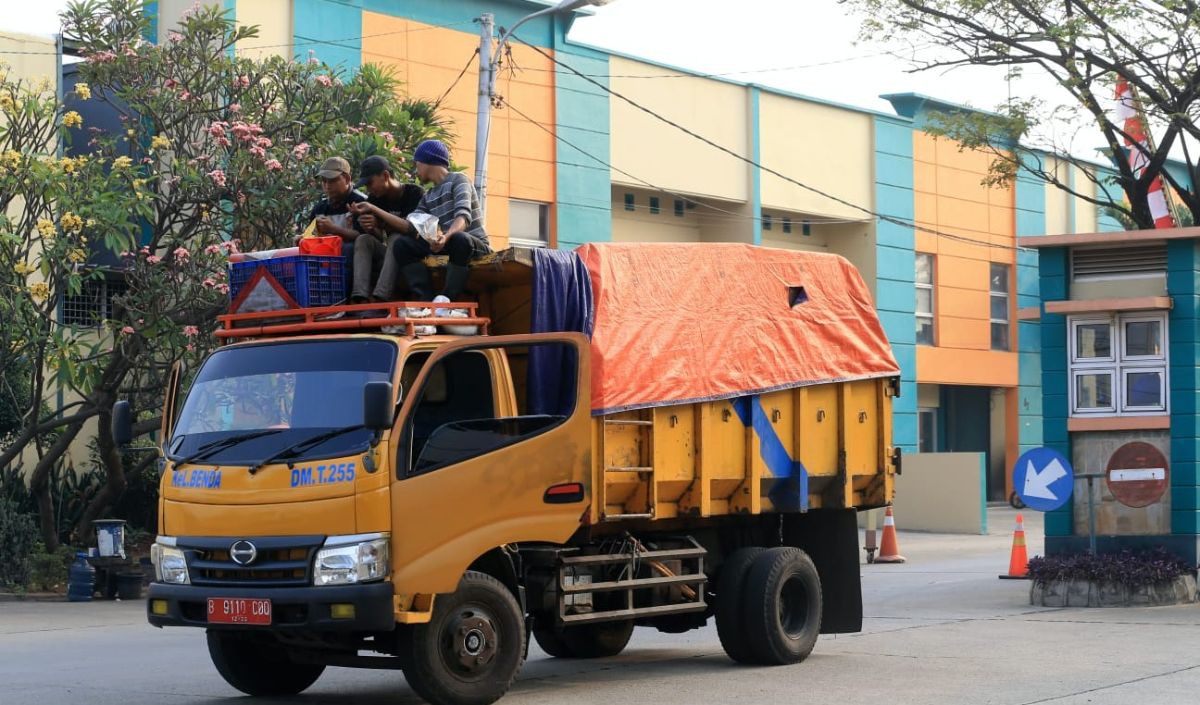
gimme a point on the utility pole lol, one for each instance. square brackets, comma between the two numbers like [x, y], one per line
[483, 117]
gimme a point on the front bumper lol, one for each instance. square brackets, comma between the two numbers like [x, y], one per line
[292, 608]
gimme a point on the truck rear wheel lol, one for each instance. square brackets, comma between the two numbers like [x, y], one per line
[471, 650]
[782, 610]
[586, 640]
[730, 597]
[259, 668]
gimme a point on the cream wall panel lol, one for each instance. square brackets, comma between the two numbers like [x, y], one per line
[667, 157]
[274, 21]
[29, 58]
[1085, 212]
[829, 148]
[1058, 201]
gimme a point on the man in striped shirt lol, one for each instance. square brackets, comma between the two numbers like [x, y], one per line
[453, 201]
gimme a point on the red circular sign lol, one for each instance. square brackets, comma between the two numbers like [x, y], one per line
[1138, 474]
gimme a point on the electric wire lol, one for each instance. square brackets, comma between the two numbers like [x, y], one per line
[894, 220]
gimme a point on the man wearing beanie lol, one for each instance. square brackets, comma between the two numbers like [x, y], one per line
[453, 201]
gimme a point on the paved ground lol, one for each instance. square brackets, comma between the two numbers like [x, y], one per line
[941, 629]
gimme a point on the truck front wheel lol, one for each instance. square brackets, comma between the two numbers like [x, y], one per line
[471, 650]
[782, 606]
[586, 640]
[257, 667]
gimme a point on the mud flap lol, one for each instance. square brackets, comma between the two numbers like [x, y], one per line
[830, 538]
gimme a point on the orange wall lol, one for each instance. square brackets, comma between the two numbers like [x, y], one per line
[521, 156]
[950, 198]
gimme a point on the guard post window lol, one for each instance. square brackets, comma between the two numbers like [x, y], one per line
[924, 290]
[1119, 364]
[999, 306]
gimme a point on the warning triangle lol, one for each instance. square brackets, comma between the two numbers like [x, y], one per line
[262, 293]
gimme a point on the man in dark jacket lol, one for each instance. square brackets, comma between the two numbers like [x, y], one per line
[332, 214]
[390, 201]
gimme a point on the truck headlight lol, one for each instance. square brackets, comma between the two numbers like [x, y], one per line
[351, 559]
[170, 565]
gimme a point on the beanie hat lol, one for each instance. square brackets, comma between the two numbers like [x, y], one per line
[432, 152]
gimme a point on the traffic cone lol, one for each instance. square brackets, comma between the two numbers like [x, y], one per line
[1018, 562]
[889, 547]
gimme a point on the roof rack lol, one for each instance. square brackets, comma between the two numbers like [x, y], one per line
[325, 319]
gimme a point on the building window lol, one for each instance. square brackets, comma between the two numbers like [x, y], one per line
[787, 224]
[95, 301]
[528, 223]
[999, 307]
[630, 202]
[924, 289]
[1118, 365]
[678, 208]
[654, 205]
[766, 222]
[927, 430]
[806, 229]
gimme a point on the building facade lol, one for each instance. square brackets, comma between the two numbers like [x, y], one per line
[575, 157]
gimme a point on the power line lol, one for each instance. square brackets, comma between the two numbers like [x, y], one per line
[687, 199]
[341, 43]
[438, 102]
[886, 218]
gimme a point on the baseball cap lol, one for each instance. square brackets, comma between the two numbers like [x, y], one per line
[372, 166]
[334, 167]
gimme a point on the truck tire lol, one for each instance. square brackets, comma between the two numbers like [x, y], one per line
[782, 611]
[471, 650]
[730, 596]
[255, 668]
[586, 640]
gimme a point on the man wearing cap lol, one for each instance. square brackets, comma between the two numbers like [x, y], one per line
[453, 201]
[332, 214]
[390, 202]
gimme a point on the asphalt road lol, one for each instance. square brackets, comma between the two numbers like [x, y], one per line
[940, 629]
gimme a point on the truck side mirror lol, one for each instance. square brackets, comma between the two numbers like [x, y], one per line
[378, 410]
[122, 424]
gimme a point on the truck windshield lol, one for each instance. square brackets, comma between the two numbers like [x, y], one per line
[299, 390]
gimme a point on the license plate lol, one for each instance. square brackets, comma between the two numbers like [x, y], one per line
[238, 610]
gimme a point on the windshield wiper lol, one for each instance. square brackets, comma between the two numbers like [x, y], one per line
[209, 448]
[293, 451]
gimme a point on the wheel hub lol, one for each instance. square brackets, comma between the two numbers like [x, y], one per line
[473, 640]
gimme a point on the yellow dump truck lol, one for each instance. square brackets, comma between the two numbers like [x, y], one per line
[636, 435]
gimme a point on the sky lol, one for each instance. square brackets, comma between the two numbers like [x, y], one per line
[810, 47]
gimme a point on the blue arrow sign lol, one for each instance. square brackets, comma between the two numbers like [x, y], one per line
[1043, 479]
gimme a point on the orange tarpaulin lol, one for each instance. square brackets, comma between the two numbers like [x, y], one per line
[678, 323]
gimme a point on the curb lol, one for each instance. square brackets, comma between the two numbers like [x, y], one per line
[33, 597]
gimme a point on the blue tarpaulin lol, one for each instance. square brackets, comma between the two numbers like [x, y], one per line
[562, 302]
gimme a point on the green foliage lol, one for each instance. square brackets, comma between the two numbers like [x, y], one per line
[70, 493]
[18, 534]
[48, 570]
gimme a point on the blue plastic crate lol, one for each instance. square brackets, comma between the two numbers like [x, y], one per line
[312, 280]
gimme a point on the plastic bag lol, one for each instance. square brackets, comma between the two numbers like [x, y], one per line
[328, 245]
[426, 225]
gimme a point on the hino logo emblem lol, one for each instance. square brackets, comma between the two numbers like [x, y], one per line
[243, 552]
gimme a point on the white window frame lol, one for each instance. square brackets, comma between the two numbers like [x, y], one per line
[1118, 365]
[543, 224]
[931, 287]
[993, 294]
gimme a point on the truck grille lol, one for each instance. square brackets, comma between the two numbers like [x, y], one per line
[281, 561]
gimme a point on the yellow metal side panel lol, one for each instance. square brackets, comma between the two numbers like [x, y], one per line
[816, 422]
[860, 415]
[325, 516]
[722, 454]
[674, 457]
[626, 446]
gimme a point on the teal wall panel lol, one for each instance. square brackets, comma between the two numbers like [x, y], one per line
[330, 29]
[895, 266]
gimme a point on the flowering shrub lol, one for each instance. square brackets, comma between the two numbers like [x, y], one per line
[215, 150]
[1126, 567]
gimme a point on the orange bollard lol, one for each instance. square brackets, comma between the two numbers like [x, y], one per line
[889, 548]
[1018, 562]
